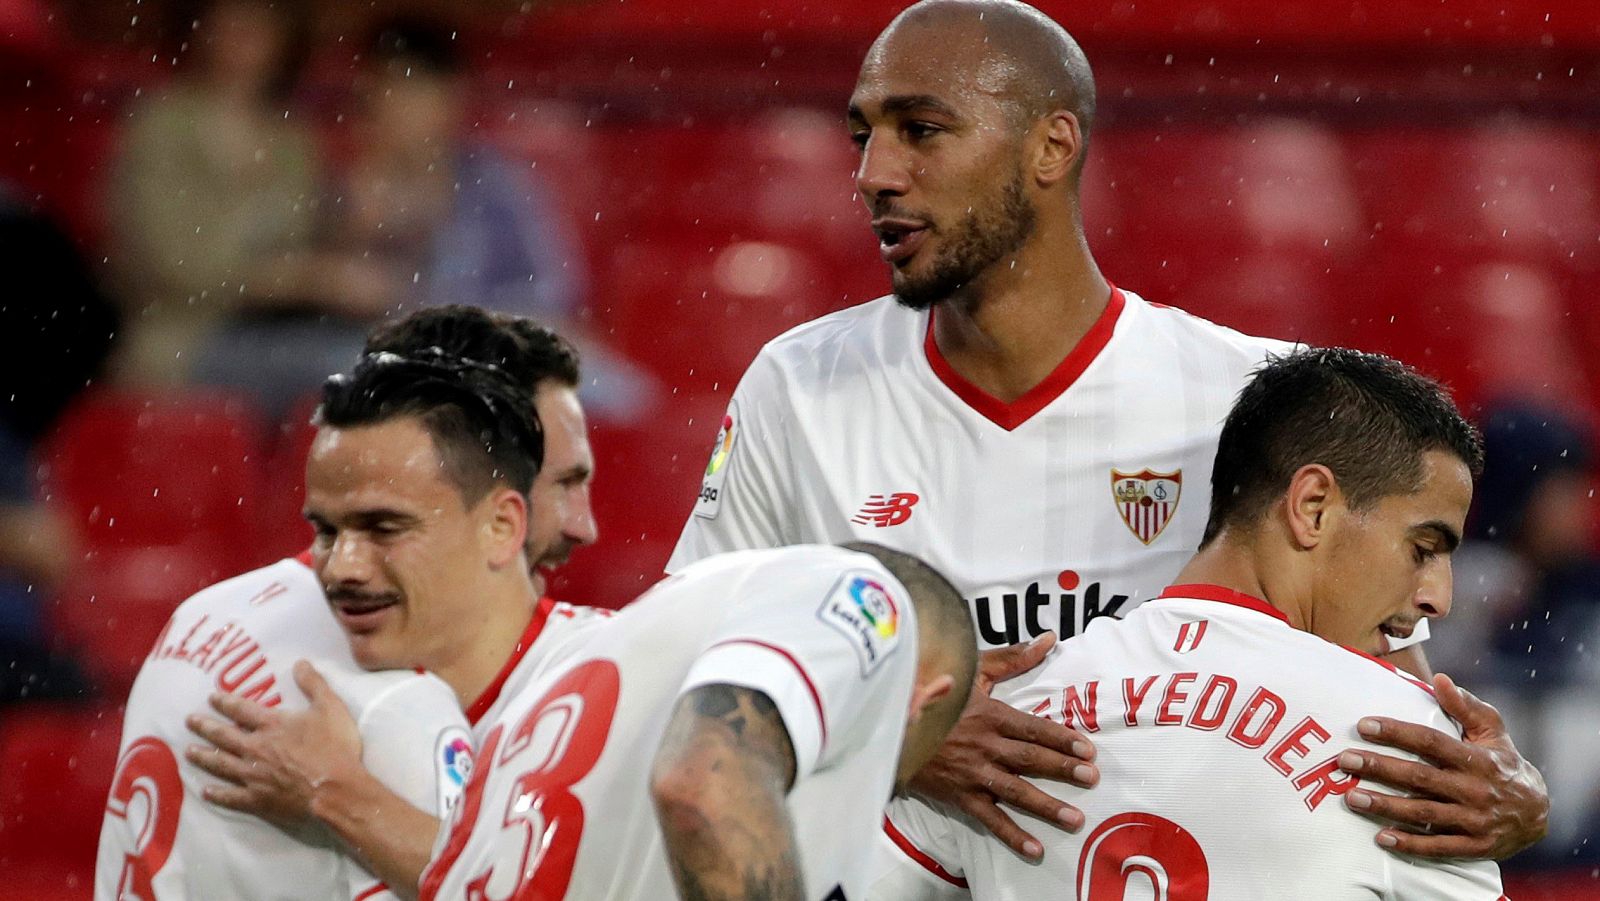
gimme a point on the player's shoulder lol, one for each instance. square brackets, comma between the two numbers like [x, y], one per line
[866, 332]
[798, 559]
[1195, 333]
[369, 693]
[288, 582]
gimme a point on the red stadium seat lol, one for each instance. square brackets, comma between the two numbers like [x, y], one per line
[283, 529]
[59, 764]
[645, 483]
[1517, 191]
[1282, 185]
[164, 494]
[697, 311]
[137, 471]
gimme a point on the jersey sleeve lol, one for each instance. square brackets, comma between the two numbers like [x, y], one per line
[1415, 879]
[917, 856]
[832, 644]
[744, 494]
[415, 740]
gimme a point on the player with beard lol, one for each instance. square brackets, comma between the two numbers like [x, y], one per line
[305, 769]
[1041, 436]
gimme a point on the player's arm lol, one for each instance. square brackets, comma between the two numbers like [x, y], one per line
[289, 769]
[994, 745]
[718, 783]
[1474, 797]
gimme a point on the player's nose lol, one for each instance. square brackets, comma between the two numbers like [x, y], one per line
[1434, 595]
[349, 561]
[579, 525]
[884, 169]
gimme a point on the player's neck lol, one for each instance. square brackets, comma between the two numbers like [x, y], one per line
[1013, 326]
[1232, 563]
[508, 608]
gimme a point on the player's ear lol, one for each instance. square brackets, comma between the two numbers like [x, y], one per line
[1059, 146]
[1312, 498]
[925, 693]
[505, 526]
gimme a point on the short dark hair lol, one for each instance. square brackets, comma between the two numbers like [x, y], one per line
[529, 352]
[1366, 417]
[481, 418]
[944, 624]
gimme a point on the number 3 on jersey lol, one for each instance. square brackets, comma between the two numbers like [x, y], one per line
[1145, 846]
[146, 774]
[556, 744]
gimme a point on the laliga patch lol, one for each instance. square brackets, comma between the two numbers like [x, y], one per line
[861, 608]
[452, 757]
[709, 503]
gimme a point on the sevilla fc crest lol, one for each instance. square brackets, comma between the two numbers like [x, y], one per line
[1146, 500]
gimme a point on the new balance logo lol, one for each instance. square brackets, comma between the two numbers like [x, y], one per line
[883, 511]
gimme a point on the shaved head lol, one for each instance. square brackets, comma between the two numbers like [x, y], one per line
[1029, 62]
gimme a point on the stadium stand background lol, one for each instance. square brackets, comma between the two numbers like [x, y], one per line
[1415, 177]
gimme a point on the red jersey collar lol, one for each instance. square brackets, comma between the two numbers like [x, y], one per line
[541, 614]
[1010, 415]
[1202, 592]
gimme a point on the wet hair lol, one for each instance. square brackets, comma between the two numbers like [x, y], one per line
[529, 352]
[945, 634]
[1366, 417]
[480, 417]
[417, 43]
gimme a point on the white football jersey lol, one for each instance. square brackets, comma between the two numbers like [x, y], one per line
[1218, 727]
[559, 804]
[1081, 499]
[161, 839]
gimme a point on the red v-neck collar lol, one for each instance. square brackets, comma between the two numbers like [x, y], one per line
[491, 694]
[1010, 415]
[1202, 592]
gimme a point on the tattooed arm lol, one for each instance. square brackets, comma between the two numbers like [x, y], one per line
[718, 782]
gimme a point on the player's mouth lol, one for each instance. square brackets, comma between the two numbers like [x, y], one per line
[1401, 630]
[362, 613]
[898, 239]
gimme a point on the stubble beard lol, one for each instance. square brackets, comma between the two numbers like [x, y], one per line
[981, 240]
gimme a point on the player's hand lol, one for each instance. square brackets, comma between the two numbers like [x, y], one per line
[1480, 799]
[273, 762]
[994, 744]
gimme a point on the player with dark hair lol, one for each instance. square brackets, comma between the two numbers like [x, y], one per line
[562, 518]
[1042, 437]
[736, 732]
[1341, 488]
[425, 463]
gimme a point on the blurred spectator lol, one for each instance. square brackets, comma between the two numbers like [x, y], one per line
[425, 214]
[215, 184]
[54, 330]
[1527, 606]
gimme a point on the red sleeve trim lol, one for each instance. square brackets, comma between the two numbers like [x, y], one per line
[373, 892]
[816, 697]
[917, 855]
[541, 613]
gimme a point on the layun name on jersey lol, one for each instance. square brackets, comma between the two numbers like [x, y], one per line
[1019, 616]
